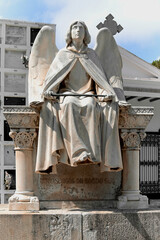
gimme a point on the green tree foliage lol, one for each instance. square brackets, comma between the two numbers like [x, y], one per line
[156, 63]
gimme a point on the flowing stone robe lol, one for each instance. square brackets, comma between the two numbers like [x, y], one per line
[74, 125]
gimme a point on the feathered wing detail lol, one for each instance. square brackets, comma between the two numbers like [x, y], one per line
[41, 57]
[108, 52]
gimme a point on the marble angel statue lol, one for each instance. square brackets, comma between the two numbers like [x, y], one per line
[79, 91]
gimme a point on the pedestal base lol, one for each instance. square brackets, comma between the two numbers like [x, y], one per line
[22, 202]
[132, 201]
[24, 206]
[78, 225]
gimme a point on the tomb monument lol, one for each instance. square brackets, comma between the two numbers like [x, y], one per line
[77, 144]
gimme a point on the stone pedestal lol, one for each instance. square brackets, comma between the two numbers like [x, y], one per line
[80, 225]
[133, 121]
[23, 123]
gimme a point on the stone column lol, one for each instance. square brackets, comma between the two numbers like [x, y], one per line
[131, 197]
[24, 172]
[23, 122]
[132, 124]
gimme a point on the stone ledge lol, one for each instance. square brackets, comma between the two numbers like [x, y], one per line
[27, 117]
[21, 117]
[128, 202]
[78, 225]
[24, 206]
[135, 117]
[78, 205]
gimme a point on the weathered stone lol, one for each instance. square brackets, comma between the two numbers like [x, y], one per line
[21, 117]
[14, 82]
[132, 123]
[121, 225]
[79, 183]
[23, 122]
[135, 117]
[13, 59]
[52, 225]
[15, 35]
[79, 225]
[81, 204]
[9, 158]
[23, 206]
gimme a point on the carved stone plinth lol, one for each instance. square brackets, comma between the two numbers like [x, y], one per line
[23, 122]
[132, 123]
[80, 225]
[23, 202]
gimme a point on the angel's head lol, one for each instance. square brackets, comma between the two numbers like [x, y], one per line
[78, 29]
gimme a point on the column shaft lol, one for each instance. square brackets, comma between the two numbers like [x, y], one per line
[24, 172]
[130, 180]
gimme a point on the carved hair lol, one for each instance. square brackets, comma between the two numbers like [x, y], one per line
[87, 37]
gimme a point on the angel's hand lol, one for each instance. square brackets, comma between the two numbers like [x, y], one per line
[124, 104]
[107, 98]
[48, 95]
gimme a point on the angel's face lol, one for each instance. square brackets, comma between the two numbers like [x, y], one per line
[78, 32]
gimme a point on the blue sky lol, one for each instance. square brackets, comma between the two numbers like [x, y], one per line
[139, 18]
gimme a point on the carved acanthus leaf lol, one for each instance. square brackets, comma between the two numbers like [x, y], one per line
[23, 139]
[132, 139]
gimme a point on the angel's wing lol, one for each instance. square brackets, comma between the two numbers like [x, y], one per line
[108, 52]
[41, 57]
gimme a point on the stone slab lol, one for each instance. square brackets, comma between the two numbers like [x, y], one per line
[9, 158]
[124, 225]
[24, 206]
[78, 225]
[132, 204]
[154, 203]
[15, 35]
[14, 82]
[13, 59]
[99, 204]
[82, 183]
[44, 225]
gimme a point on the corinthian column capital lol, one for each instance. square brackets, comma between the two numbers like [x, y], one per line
[132, 139]
[23, 139]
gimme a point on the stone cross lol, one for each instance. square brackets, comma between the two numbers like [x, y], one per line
[111, 25]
